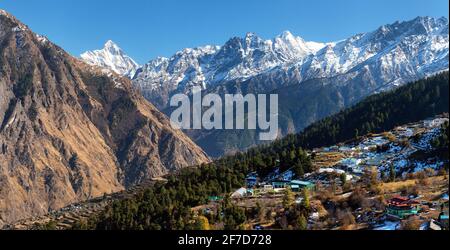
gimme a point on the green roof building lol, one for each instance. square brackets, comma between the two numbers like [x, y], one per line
[302, 184]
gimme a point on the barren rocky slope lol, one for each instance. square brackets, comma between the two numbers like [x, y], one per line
[69, 131]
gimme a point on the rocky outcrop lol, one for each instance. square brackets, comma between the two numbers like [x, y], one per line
[70, 131]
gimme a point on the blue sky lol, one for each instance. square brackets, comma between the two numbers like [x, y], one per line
[149, 28]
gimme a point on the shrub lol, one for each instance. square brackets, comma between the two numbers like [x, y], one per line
[412, 223]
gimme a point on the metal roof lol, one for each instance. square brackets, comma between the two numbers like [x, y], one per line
[302, 183]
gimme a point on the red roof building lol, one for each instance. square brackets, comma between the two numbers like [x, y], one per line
[402, 207]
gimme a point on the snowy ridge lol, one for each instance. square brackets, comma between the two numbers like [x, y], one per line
[239, 58]
[387, 57]
[395, 53]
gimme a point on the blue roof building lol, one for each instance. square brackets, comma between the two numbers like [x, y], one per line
[251, 181]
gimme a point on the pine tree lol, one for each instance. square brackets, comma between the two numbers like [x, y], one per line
[306, 204]
[392, 173]
[302, 223]
[288, 199]
[299, 171]
[343, 178]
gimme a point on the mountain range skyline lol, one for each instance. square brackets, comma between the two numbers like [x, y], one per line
[310, 46]
[161, 29]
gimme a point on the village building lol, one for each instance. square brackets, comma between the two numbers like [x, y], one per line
[443, 220]
[402, 207]
[252, 180]
[300, 185]
[295, 188]
[294, 185]
[267, 188]
[277, 185]
[215, 198]
[240, 193]
[443, 216]
[433, 225]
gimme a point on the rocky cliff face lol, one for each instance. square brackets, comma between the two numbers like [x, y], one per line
[70, 131]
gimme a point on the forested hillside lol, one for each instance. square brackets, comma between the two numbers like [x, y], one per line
[381, 112]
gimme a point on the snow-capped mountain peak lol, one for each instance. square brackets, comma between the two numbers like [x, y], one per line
[288, 38]
[296, 46]
[112, 47]
[113, 58]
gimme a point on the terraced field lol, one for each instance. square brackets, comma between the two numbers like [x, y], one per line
[67, 217]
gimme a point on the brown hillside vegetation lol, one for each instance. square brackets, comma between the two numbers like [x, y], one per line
[70, 132]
